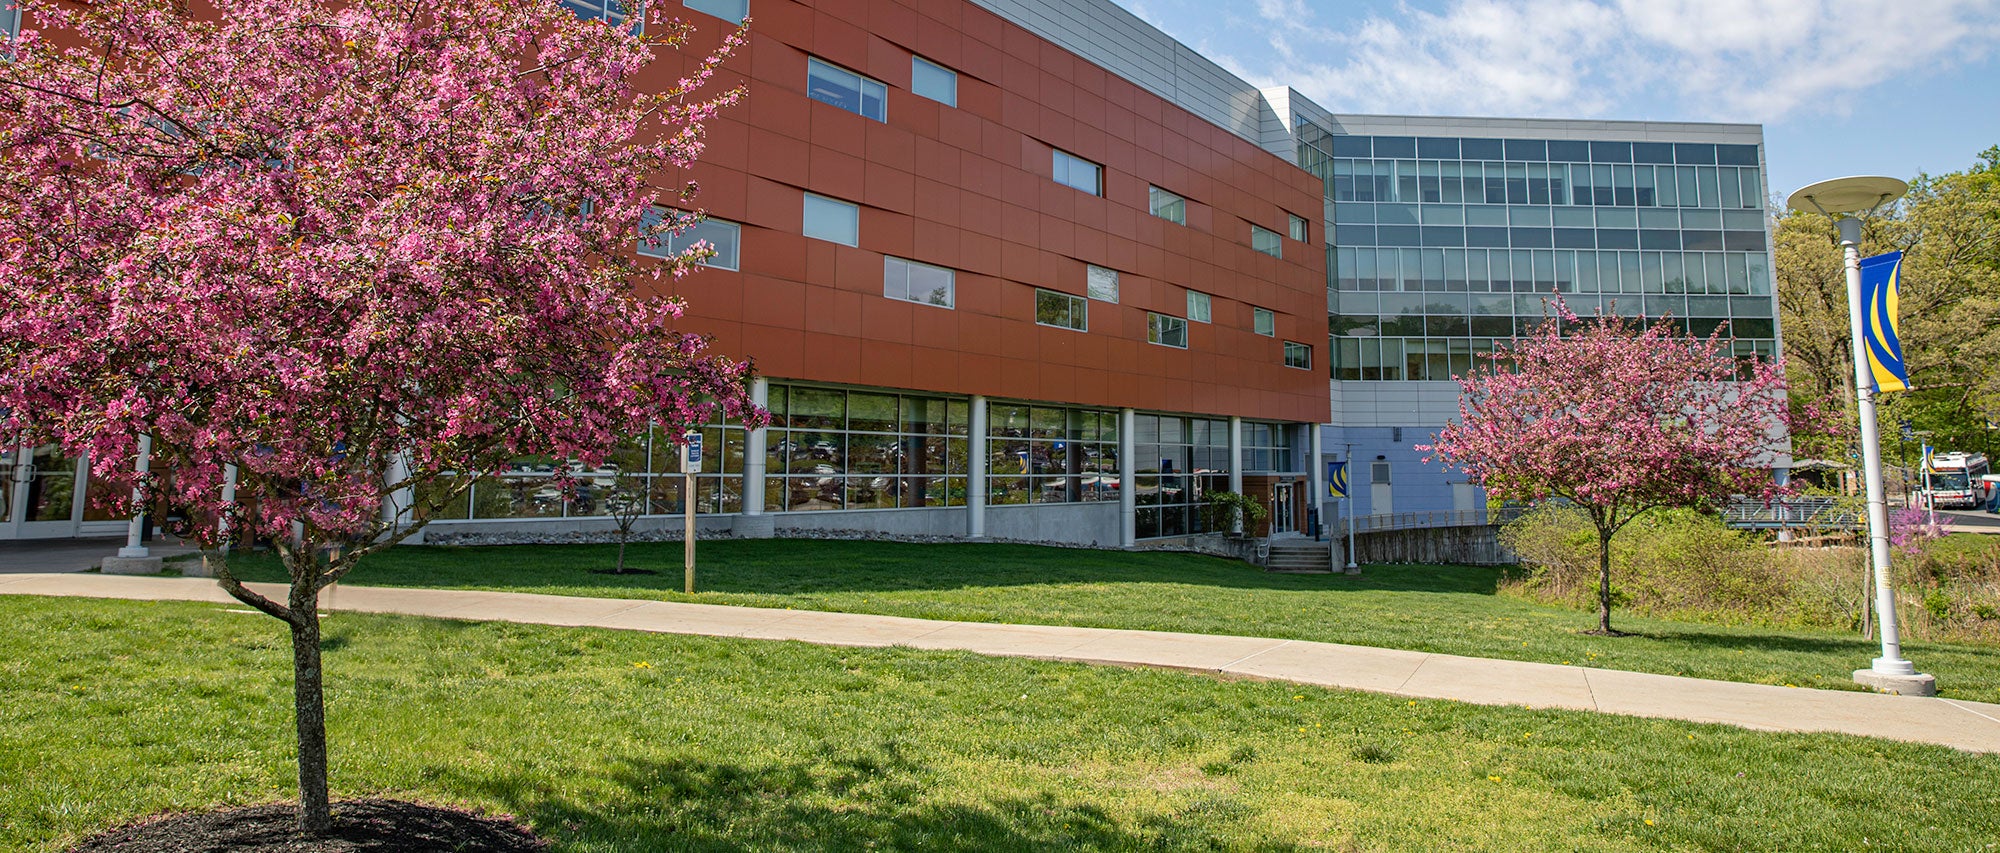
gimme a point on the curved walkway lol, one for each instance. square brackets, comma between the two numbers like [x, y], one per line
[1970, 726]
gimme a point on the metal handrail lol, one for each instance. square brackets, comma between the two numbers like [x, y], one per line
[1430, 518]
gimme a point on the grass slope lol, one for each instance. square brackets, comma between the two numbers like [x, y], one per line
[612, 741]
[1444, 609]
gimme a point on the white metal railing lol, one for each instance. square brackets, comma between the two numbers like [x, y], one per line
[1432, 518]
[1821, 512]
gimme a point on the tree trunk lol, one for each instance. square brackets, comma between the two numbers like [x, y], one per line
[1604, 583]
[621, 556]
[309, 707]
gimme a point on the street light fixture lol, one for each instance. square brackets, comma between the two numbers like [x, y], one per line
[1845, 199]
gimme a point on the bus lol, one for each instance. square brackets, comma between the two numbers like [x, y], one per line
[1953, 480]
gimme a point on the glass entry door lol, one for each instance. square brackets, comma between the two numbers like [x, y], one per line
[1281, 508]
[44, 497]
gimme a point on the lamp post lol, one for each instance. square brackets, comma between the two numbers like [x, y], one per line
[1843, 199]
[1353, 568]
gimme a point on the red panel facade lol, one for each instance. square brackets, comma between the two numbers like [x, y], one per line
[970, 188]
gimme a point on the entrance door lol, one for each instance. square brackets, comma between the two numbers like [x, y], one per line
[46, 501]
[1281, 509]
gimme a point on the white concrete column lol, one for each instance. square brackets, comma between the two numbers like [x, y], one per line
[975, 470]
[1316, 473]
[1128, 480]
[756, 448]
[228, 497]
[1236, 466]
[134, 533]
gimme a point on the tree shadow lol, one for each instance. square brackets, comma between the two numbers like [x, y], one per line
[1707, 640]
[874, 798]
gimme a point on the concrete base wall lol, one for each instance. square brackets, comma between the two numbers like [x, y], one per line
[1471, 546]
[1089, 524]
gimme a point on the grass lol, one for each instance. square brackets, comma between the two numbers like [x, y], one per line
[1443, 609]
[623, 741]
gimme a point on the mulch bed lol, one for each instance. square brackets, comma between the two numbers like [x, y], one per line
[359, 826]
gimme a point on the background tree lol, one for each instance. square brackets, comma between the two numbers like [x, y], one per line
[351, 249]
[1618, 416]
[1948, 228]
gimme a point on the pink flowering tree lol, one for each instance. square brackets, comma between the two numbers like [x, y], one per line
[349, 250]
[1618, 416]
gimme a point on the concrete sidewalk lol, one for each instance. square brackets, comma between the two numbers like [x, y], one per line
[1970, 726]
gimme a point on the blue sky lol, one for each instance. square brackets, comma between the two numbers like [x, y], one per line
[1842, 87]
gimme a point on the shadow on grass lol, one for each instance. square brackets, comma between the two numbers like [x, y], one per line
[786, 567]
[1708, 640]
[877, 798]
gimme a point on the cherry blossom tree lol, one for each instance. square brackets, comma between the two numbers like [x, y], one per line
[347, 250]
[1619, 416]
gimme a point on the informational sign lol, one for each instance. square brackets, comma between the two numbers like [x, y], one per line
[1909, 430]
[691, 453]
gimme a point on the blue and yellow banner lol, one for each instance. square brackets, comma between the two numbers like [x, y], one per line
[1881, 287]
[1336, 479]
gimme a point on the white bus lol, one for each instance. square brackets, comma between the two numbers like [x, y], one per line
[1953, 480]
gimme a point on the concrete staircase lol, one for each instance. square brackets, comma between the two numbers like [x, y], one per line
[1300, 556]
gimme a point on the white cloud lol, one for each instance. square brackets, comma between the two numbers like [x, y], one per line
[1729, 60]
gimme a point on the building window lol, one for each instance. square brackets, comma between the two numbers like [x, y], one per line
[1168, 206]
[10, 19]
[1298, 355]
[723, 236]
[728, 10]
[1265, 240]
[1074, 171]
[911, 281]
[1044, 454]
[1379, 473]
[1198, 308]
[612, 12]
[845, 89]
[833, 449]
[1166, 331]
[933, 81]
[1299, 230]
[1176, 463]
[833, 221]
[1103, 283]
[1264, 322]
[1061, 309]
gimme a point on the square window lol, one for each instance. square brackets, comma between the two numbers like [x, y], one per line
[845, 89]
[1298, 355]
[933, 81]
[1198, 306]
[1264, 322]
[916, 282]
[1103, 283]
[1076, 172]
[723, 236]
[1168, 206]
[728, 10]
[1061, 309]
[1166, 331]
[1299, 230]
[1265, 240]
[833, 221]
[612, 12]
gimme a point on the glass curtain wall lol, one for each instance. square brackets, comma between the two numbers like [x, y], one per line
[831, 448]
[1048, 454]
[1445, 248]
[644, 468]
[1180, 460]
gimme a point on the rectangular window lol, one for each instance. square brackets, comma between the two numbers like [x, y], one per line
[612, 12]
[721, 235]
[1198, 306]
[833, 221]
[1103, 283]
[1061, 309]
[728, 10]
[1168, 206]
[1265, 240]
[933, 81]
[1379, 473]
[1166, 331]
[845, 89]
[1264, 322]
[922, 283]
[10, 19]
[1299, 230]
[1074, 171]
[1298, 355]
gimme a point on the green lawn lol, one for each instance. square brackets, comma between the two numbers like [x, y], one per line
[624, 741]
[1446, 609]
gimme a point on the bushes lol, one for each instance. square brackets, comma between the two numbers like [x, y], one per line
[1684, 565]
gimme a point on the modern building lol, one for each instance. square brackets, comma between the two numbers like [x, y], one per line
[992, 288]
[1032, 269]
